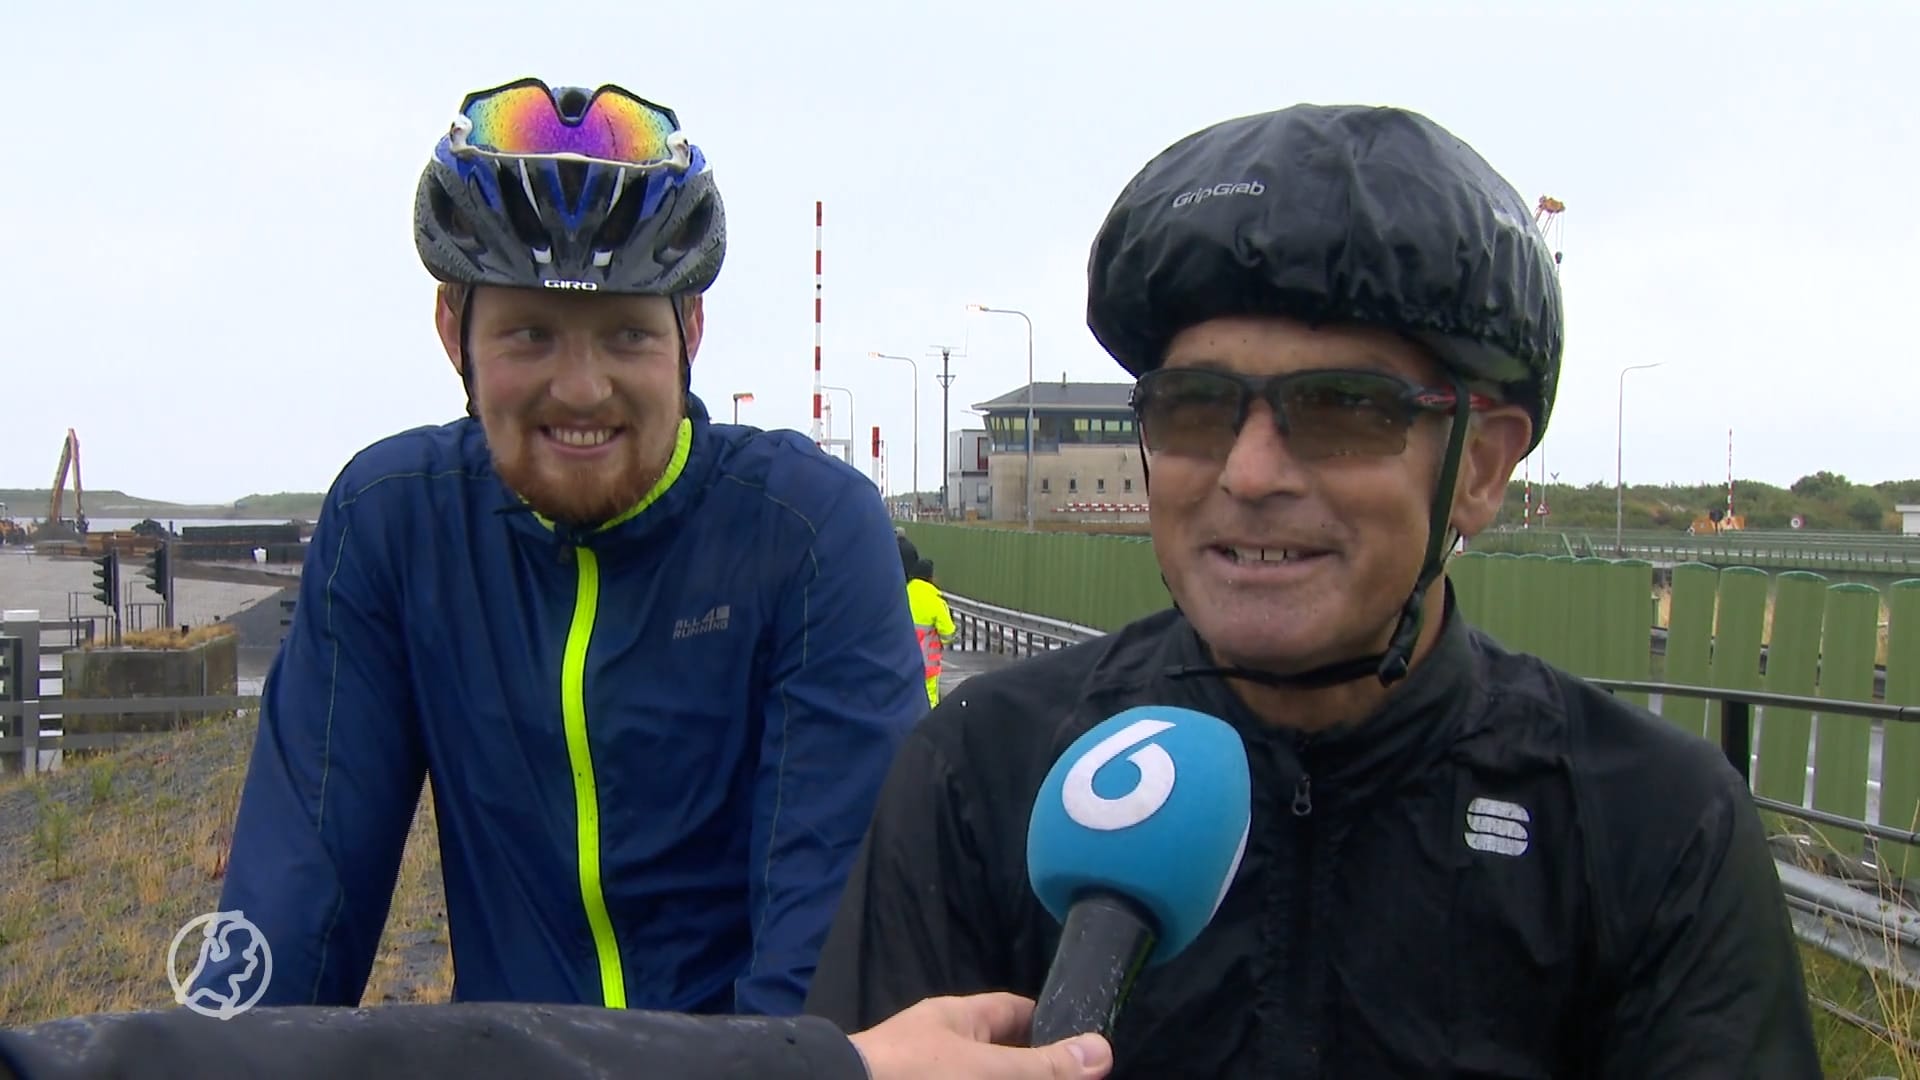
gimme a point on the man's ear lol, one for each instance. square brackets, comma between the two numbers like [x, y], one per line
[447, 301]
[1496, 442]
[694, 318]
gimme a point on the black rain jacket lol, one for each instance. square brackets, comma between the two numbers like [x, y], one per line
[1506, 872]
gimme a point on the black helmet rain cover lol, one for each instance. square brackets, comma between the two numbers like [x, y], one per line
[1333, 214]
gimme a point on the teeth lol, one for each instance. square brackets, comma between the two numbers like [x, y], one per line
[577, 437]
[1274, 555]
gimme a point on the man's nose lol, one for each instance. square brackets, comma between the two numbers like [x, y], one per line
[581, 382]
[1260, 464]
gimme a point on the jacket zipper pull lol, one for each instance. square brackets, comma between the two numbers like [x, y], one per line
[1303, 796]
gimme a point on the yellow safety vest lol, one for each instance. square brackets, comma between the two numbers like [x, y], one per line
[932, 622]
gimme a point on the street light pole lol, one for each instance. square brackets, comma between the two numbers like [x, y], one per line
[1029, 322]
[916, 424]
[1619, 430]
[946, 411]
[737, 399]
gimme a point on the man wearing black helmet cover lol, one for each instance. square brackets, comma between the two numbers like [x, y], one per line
[1463, 862]
[656, 666]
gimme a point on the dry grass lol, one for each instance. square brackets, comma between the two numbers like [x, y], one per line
[168, 638]
[1849, 1051]
[102, 862]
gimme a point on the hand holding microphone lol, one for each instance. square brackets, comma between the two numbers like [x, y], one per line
[1135, 837]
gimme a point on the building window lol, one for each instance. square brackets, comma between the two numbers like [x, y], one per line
[1073, 485]
[1100, 486]
[1046, 484]
[1127, 485]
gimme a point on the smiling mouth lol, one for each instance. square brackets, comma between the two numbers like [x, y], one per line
[1265, 556]
[581, 438]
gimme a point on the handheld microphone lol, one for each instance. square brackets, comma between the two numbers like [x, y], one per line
[1135, 837]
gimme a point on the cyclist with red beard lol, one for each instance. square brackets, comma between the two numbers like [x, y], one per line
[656, 667]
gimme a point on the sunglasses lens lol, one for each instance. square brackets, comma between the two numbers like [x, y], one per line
[1197, 413]
[1332, 413]
[1190, 413]
[523, 120]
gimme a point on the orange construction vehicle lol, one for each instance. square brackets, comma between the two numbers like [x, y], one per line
[57, 527]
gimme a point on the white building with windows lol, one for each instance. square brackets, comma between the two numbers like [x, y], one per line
[968, 491]
[1086, 457]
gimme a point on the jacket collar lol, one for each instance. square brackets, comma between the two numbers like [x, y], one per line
[1419, 719]
[678, 489]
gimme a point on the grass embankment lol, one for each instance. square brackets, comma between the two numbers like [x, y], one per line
[301, 505]
[102, 862]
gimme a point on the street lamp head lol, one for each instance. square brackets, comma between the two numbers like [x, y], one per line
[743, 397]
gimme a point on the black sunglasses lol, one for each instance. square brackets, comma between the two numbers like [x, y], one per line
[1198, 412]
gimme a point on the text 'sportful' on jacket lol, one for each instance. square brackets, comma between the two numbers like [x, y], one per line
[1505, 872]
[653, 747]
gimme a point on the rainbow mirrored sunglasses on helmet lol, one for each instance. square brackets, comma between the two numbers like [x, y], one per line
[1198, 412]
[522, 120]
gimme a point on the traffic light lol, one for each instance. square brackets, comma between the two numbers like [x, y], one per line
[106, 580]
[876, 442]
[157, 570]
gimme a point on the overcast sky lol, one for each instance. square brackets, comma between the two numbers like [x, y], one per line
[209, 270]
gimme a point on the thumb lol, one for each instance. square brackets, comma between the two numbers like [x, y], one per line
[1083, 1057]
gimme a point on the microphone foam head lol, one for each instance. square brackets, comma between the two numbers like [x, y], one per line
[1153, 804]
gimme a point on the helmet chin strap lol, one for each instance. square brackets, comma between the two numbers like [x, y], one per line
[466, 354]
[1391, 665]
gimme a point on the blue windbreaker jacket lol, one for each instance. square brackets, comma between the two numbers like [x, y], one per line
[654, 747]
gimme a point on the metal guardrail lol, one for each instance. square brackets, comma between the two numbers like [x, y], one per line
[1884, 553]
[982, 627]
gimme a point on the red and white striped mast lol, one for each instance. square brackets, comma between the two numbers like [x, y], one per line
[819, 220]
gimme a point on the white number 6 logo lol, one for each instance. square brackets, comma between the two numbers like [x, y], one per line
[1093, 810]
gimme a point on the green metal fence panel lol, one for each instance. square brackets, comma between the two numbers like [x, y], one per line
[1739, 625]
[1625, 652]
[1550, 609]
[1503, 576]
[1689, 656]
[1793, 659]
[1149, 590]
[1046, 553]
[1847, 643]
[1468, 573]
[1900, 750]
[1099, 581]
[1527, 608]
[1581, 615]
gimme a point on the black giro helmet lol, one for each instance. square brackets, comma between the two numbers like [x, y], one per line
[1333, 213]
[543, 217]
